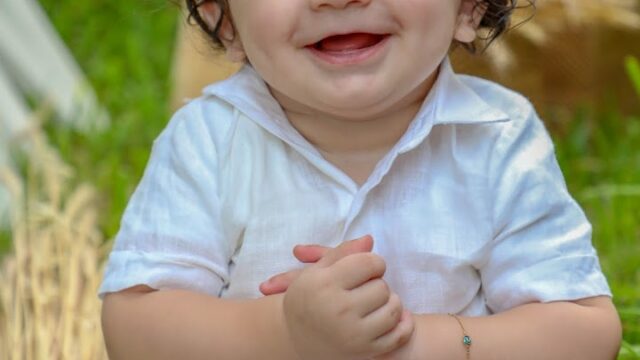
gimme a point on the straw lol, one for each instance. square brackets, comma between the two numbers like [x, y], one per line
[48, 282]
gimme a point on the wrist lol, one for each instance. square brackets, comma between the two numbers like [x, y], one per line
[409, 350]
[277, 331]
[437, 336]
[415, 347]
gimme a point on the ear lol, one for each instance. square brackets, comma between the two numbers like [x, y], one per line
[211, 13]
[469, 18]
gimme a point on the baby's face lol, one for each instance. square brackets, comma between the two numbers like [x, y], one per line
[347, 58]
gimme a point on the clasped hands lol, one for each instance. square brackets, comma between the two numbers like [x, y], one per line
[339, 307]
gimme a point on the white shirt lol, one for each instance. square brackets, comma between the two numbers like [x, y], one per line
[469, 209]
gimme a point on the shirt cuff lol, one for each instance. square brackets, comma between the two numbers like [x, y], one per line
[126, 269]
[561, 279]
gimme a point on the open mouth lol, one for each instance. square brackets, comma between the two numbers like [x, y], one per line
[349, 49]
[348, 42]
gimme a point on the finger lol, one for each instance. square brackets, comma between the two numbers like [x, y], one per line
[313, 253]
[355, 270]
[397, 337]
[371, 296]
[385, 318]
[279, 283]
[310, 253]
[363, 244]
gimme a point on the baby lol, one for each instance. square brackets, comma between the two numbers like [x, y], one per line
[347, 121]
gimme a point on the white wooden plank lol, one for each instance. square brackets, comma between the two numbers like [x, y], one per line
[14, 113]
[33, 59]
[39, 62]
[14, 117]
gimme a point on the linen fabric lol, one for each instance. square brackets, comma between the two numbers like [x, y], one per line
[469, 209]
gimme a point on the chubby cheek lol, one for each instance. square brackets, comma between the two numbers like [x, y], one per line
[434, 19]
[430, 23]
[264, 26]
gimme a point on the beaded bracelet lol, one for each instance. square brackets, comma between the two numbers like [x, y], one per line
[466, 339]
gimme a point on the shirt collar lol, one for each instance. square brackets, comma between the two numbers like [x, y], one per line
[457, 103]
[450, 101]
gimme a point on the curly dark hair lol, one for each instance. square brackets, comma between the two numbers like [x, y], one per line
[496, 19]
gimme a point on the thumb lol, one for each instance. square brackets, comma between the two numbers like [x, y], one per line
[360, 245]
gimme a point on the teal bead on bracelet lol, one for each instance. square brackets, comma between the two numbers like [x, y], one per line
[466, 340]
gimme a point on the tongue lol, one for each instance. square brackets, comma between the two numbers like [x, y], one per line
[349, 42]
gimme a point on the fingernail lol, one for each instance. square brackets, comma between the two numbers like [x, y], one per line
[364, 238]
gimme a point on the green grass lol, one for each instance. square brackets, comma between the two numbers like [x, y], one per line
[600, 157]
[633, 69]
[599, 152]
[125, 49]
[5, 241]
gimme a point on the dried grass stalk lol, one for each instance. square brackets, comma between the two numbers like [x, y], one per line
[48, 283]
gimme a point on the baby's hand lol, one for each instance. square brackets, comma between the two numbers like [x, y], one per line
[309, 254]
[340, 308]
[407, 351]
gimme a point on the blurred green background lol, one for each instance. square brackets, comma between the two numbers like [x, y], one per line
[125, 48]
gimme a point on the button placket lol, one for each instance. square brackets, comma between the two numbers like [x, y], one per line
[361, 196]
[406, 144]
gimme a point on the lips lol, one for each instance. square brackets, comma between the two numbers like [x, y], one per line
[348, 42]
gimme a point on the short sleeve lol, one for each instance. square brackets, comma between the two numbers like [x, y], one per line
[541, 249]
[171, 236]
